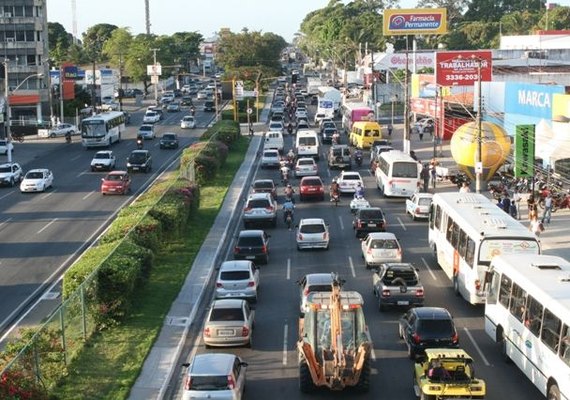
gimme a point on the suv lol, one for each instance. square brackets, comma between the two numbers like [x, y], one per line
[220, 375]
[252, 245]
[237, 279]
[139, 160]
[425, 328]
[103, 160]
[339, 156]
[10, 174]
[368, 220]
[397, 284]
[169, 140]
[209, 106]
[260, 207]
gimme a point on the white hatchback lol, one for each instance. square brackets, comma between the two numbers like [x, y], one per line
[188, 122]
[312, 233]
[348, 181]
[379, 248]
[37, 180]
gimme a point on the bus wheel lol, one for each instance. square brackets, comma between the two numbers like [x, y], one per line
[503, 344]
[553, 392]
[456, 285]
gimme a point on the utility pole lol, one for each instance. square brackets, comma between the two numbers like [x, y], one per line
[435, 119]
[93, 88]
[373, 85]
[147, 16]
[120, 81]
[406, 146]
[479, 158]
[155, 75]
[61, 79]
[8, 112]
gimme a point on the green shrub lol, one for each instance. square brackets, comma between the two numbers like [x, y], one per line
[176, 207]
[206, 168]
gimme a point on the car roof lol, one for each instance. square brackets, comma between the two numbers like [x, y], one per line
[139, 151]
[305, 159]
[382, 235]
[432, 313]
[212, 364]
[8, 164]
[425, 195]
[263, 181]
[312, 221]
[251, 232]
[399, 266]
[228, 303]
[235, 265]
[342, 173]
[319, 278]
[104, 152]
[254, 196]
[38, 170]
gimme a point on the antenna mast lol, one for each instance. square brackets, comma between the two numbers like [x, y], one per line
[74, 20]
[147, 16]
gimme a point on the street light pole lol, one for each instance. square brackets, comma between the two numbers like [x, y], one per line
[479, 160]
[155, 76]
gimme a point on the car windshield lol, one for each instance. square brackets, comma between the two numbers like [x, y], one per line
[405, 170]
[5, 168]
[312, 228]
[137, 157]
[114, 177]
[227, 314]
[384, 244]
[270, 154]
[34, 175]
[169, 136]
[102, 156]
[209, 382]
[435, 327]
[93, 129]
[234, 275]
[307, 141]
[150, 114]
[145, 128]
[250, 241]
[424, 201]
[351, 177]
[371, 214]
[312, 182]
[188, 119]
[263, 185]
[306, 162]
[258, 203]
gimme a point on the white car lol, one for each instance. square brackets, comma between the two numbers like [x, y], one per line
[10, 174]
[103, 160]
[312, 233]
[37, 180]
[188, 122]
[318, 118]
[277, 126]
[202, 95]
[146, 131]
[300, 113]
[348, 181]
[379, 248]
[5, 145]
[418, 206]
[270, 158]
[305, 166]
[110, 106]
[62, 130]
[237, 279]
[151, 117]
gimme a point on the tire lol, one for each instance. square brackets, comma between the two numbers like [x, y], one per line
[411, 353]
[12, 182]
[363, 384]
[503, 347]
[306, 384]
[456, 286]
[553, 392]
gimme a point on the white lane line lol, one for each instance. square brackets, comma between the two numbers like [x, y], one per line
[88, 194]
[81, 174]
[77, 157]
[48, 224]
[329, 172]
[5, 222]
[6, 195]
[429, 269]
[340, 222]
[351, 266]
[288, 269]
[372, 352]
[476, 347]
[401, 223]
[46, 195]
[285, 329]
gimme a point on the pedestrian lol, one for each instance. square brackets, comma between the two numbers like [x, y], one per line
[390, 129]
[421, 132]
[500, 204]
[531, 205]
[536, 226]
[516, 200]
[424, 174]
[506, 203]
[513, 209]
[464, 188]
[433, 175]
[547, 208]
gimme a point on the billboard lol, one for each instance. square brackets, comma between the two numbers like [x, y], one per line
[524, 151]
[530, 99]
[69, 78]
[415, 21]
[460, 68]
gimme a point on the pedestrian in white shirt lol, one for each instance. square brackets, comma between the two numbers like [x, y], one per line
[464, 188]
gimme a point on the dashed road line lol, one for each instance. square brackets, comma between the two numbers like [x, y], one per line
[429, 269]
[46, 226]
[476, 346]
[340, 222]
[401, 223]
[285, 330]
[288, 269]
[351, 266]
[87, 195]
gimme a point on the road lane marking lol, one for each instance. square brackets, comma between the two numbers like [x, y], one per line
[5, 222]
[429, 269]
[48, 224]
[88, 194]
[372, 352]
[476, 346]
[77, 157]
[6, 195]
[351, 266]
[285, 329]
[288, 269]
[46, 195]
[340, 221]
[401, 223]
[329, 172]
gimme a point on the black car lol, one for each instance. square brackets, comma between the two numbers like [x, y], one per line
[368, 220]
[252, 245]
[139, 160]
[209, 106]
[327, 135]
[169, 141]
[427, 328]
[186, 101]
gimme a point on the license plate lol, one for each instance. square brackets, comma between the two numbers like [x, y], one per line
[371, 224]
[403, 303]
[112, 189]
[250, 257]
[225, 332]
[135, 168]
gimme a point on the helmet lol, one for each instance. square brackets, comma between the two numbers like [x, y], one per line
[334, 180]
[288, 185]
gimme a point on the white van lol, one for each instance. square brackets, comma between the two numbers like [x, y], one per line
[307, 144]
[273, 140]
[397, 174]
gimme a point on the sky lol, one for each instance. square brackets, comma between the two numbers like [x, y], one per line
[282, 17]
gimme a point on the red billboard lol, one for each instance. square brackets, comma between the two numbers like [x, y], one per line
[69, 72]
[460, 68]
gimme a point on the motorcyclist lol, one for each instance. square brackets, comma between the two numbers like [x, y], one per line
[289, 192]
[288, 209]
[336, 137]
[358, 157]
[334, 190]
[290, 128]
[68, 137]
[359, 191]
[140, 141]
[284, 173]
[192, 110]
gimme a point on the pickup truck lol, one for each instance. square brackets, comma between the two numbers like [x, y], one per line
[418, 205]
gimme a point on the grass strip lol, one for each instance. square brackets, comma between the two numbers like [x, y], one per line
[112, 359]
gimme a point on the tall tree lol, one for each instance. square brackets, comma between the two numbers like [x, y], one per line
[94, 40]
[557, 18]
[59, 41]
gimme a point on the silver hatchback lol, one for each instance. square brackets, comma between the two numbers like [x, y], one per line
[238, 279]
[229, 323]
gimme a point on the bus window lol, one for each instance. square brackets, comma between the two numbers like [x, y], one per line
[518, 300]
[455, 236]
[505, 292]
[550, 333]
[494, 285]
[374, 133]
[449, 230]
[533, 318]
[438, 217]
[565, 345]
[470, 252]
[462, 246]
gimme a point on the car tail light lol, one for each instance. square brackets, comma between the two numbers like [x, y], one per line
[390, 182]
[359, 223]
[247, 209]
[306, 292]
[188, 383]
[219, 285]
[207, 331]
[231, 382]
[417, 210]
[416, 338]
[251, 284]
[264, 249]
[244, 331]
[314, 167]
[386, 293]
[477, 284]
[270, 209]
[455, 338]
[321, 189]
[236, 250]
[399, 253]
[325, 235]
[300, 236]
[419, 293]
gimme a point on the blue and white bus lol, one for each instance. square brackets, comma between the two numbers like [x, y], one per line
[102, 130]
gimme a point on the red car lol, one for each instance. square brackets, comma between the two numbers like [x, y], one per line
[311, 187]
[116, 182]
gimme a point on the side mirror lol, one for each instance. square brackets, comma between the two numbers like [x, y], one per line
[186, 365]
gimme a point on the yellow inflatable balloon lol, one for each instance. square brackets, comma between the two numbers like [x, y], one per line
[495, 148]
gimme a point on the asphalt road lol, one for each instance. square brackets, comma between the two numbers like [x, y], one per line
[41, 234]
[273, 368]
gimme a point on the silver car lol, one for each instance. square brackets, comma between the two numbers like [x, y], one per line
[260, 208]
[229, 323]
[379, 248]
[397, 284]
[215, 376]
[270, 158]
[237, 279]
[312, 233]
[310, 283]
[306, 166]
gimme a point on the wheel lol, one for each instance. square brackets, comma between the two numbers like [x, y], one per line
[306, 384]
[456, 285]
[12, 182]
[553, 392]
[411, 353]
[52, 135]
[503, 344]
[363, 384]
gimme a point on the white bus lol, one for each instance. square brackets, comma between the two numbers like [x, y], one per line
[102, 130]
[466, 230]
[528, 314]
[397, 174]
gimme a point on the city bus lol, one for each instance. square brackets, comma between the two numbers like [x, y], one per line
[102, 130]
[397, 174]
[528, 315]
[466, 230]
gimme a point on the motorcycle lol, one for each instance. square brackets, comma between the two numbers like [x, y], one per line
[67, 138]
[139, 144]
[459, 178]
[288, 217]
[358, 158]
[285, 174]
[335, 198]
[335, 139]
[290, 129]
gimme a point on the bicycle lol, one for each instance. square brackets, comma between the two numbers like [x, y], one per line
[18, 137]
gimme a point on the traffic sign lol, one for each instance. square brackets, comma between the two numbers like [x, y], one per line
[249, 111]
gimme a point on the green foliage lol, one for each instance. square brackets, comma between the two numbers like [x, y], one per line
[59, 41]
[94, 40]
[246, 48]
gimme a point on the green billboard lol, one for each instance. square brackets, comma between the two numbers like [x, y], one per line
[524, 151]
